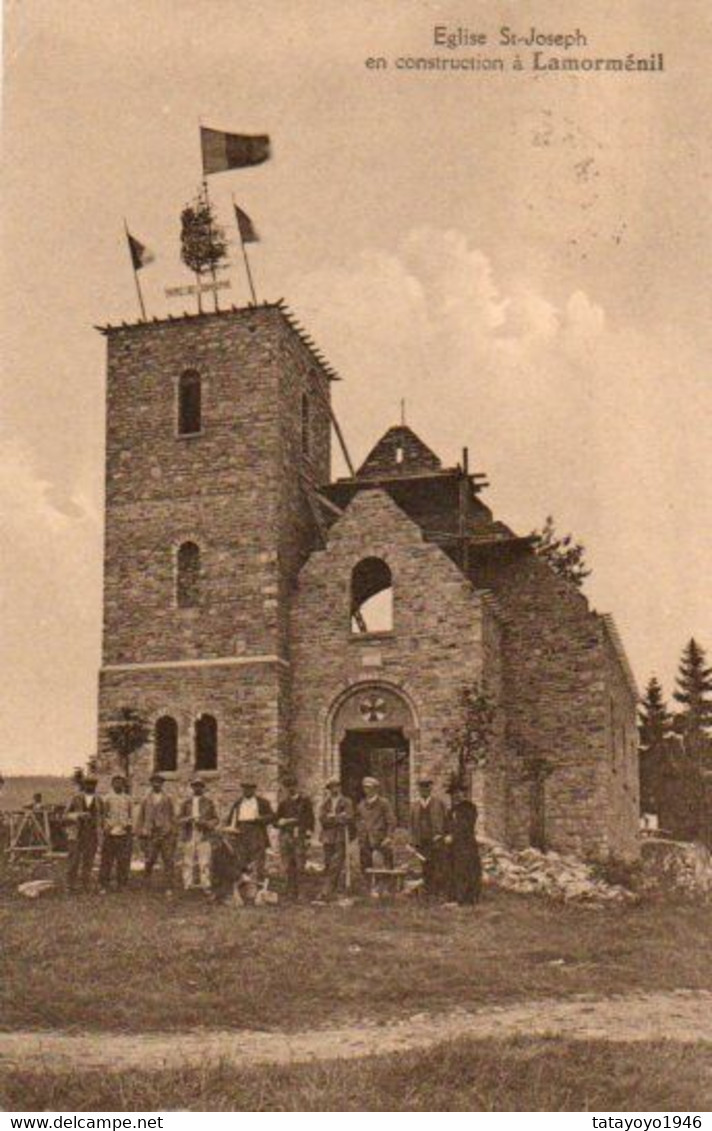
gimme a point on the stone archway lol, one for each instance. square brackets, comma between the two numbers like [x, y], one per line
[373, 732]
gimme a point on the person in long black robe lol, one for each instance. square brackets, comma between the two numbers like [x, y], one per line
[465, 864]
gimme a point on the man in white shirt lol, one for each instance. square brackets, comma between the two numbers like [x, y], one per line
[249, 819]
[116, 842]
[198, 820]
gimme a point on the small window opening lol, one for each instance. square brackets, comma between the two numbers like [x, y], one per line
[188, 576]
[189, 403]
[166, 745]
[206, 743]
[399, 454]
[371, 597]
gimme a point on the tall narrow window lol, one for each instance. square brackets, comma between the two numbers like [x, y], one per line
[306, 426]
[371, 597]
[189, 403]
[166, 745]
[188, 576]
[206, 743]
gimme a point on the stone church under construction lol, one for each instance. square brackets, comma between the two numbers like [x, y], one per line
[240, 583]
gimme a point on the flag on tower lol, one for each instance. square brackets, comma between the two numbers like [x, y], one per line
[140, 255]
[223, 151]
[245, 227]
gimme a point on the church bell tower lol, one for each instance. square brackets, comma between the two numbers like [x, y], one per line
[217, 424]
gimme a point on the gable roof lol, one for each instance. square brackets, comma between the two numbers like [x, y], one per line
[399, 452]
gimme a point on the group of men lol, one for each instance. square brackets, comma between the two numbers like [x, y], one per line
[216, 857]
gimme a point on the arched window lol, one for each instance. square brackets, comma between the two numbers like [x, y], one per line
[306, 426]
[371, 597]
[166, 745]
[206, 743]
[189, 403]
[188, 576]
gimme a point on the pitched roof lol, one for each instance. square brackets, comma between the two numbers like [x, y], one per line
[399, 452]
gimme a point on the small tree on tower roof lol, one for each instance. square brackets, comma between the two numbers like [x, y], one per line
[203, 246]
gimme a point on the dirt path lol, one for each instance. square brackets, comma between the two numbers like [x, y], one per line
[683, 1015]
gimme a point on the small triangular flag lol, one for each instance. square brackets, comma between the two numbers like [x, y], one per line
[245, 227]
[140, 255]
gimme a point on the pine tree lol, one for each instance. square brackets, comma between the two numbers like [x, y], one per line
[563, 555]
[694, 694]
[654, 717]
[654, 727]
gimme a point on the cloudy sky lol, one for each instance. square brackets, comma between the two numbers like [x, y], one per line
[524, 257]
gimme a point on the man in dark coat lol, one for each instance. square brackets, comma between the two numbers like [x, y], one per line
[465, 864]
[376, 824]
[429, 819]
[83, 819]
[156, 829]
[248, 821]
[336, 817]
[295, 821]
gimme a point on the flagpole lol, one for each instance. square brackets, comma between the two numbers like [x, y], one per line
[244, 254]
[135, 272]
[213, 272]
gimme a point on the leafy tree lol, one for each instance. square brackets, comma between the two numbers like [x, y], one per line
[203, 246]
[694, 694]
[563, 555]
[654, 728]
[126, 735]
[470, 735]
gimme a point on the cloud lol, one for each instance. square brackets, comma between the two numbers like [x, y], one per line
[433, 315]
[50, 581]
[568, 407]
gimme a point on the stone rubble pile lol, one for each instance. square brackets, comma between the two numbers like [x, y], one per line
[678, 867]
[531, 872]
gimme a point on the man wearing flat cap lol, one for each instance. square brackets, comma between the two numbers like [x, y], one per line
[428, 830]
[197, 819]
[156, 829]
[336, 817]
[83, 818]
[116, 839]
[249, 820]
[376, 825]
[295, 821]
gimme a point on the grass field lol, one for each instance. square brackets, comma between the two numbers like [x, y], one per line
[514, 1075]
[136, 962]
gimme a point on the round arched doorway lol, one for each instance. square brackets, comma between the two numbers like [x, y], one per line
[372, 735]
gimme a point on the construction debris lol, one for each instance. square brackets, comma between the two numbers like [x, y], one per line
[33, 889]
[531, 872]
[676, 867]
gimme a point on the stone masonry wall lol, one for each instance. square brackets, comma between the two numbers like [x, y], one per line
[556, 696]
[437, 642]
[243, 699]
[624, 775]
[234, 489]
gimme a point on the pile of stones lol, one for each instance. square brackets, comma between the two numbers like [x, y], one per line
[564, 878]
[676, 867]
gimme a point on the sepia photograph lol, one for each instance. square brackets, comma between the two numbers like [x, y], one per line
[356, 527]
